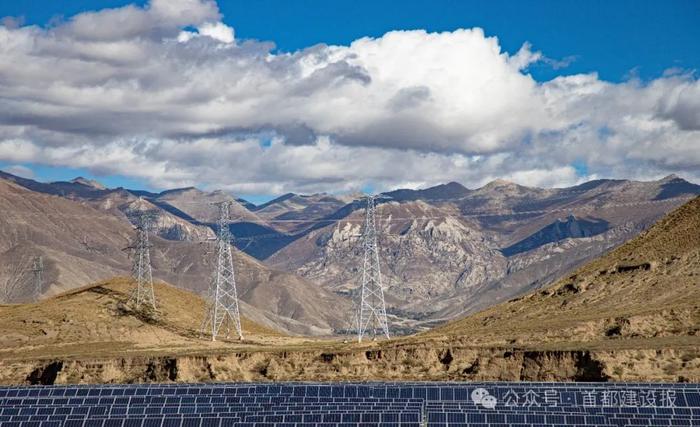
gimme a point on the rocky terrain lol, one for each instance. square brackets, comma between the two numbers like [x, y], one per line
[448, 250]
[94, 319]
[294, 213]
[81, 243]
[122, 203]
[647, 289]
[631, 315]
[445, 251]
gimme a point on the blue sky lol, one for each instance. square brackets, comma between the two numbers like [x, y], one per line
[614, 38]
[619, 40]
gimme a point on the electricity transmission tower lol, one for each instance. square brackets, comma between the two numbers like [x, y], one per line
[371, 314]
[141, 268]
[38, 272]
[223, 299]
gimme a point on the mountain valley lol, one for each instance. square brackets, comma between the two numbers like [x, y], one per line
[630, 315]
[446, 251]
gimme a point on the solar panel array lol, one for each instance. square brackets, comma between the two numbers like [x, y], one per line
[352, 404]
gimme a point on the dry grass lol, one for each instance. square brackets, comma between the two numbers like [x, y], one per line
[599, 307]
[95, 320]
[649, 288]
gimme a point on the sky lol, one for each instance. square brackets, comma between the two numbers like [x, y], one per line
[264, 97]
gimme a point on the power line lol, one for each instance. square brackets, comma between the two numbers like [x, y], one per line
[223, 306]
[466, 214]
[371, 314]
[141, 268]
[579, 209]
[475, 214]
[38, 272]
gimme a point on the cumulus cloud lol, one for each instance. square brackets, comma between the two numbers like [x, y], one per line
[166, 93]
[217, 31]
[21, 171]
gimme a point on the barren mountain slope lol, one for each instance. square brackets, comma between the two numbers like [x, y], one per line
[448, 250]
[445, 250]
[425, 252]
[631, 315]
[118, 201]
[517, 212]
[199, 205]
[93, 319]
[646, 290]
[81, 245]
[290, 212]
[163, 223]
[532, 270]
[78, 243]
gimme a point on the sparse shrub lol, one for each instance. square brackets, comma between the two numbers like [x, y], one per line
[411, 362]
[613, 331]
[262, 367]
[618, 371]
[690, 356]
[670, 369]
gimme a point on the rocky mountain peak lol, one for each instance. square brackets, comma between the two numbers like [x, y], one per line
[88, 183]
[183, 190]
[501, 185]
[449, 190]
[499, 182]
[673, 186]
[671, 178]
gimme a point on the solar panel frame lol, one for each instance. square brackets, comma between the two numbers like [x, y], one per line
[189, 403]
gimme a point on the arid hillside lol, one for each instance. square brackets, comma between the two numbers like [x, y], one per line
[647, 290]
[445, 251]
[96, 320]
[631, 315]
[82, 244]
[448, 251]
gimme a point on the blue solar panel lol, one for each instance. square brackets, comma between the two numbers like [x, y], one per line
[406, 404]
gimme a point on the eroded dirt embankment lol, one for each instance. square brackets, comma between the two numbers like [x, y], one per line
[415, 363]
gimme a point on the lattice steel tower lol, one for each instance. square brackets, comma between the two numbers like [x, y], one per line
[141, 269]
[38, 272]
[223, 304]
[371, 314]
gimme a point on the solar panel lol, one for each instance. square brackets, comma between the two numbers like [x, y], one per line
[403, 404]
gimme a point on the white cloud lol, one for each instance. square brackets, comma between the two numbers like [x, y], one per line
[166, 93]
[21, 171]
[217, 31]
[15, 150]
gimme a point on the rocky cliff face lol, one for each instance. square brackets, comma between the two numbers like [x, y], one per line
[415, 363]
[445, 251]
[449, 251]
[164, 223]
[423, 253]
[81, 244]
[644, 290]
[631, 315]
[570, 228]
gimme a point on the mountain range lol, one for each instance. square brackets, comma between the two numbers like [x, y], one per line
[645, 291]
[83, 240]
[449, 250]
[630, 315]
[445, 251]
